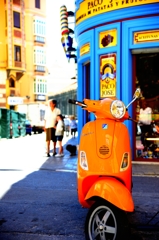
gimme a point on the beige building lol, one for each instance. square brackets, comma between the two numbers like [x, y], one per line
[23, 72]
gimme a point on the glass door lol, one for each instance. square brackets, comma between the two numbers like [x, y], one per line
[146, 144]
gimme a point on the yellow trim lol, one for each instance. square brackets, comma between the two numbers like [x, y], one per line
[16, 69]
[89, 8]
[85, 49]
[146, 36]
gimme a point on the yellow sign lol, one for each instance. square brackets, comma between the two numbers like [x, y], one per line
[108, 75]
[146, 36]
[85, 49]
[90, 8]
[108, 38]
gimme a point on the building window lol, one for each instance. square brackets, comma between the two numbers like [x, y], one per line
[17, 53]
[11, 83]
[39, 26]
[40, 56]
[37, 3]
[40, 85]
[16, 17]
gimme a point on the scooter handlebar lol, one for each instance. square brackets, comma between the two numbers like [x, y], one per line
[73, 101]
[133, 119]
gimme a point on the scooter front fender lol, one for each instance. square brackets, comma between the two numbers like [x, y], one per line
[113, 191]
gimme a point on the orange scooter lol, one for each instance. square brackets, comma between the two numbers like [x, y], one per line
[104, 174]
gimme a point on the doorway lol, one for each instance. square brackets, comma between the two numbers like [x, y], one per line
[146, 112]
[86, 86]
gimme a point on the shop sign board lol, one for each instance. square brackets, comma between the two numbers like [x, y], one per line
[12, 101]
[146, 36]
[108, 75]
[108, 38]
[85, 49]
[90, 8]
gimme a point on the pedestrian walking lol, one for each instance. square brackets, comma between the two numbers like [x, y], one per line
[73, 126]
[59, 134]
[50, 120]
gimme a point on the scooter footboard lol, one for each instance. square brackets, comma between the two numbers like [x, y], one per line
[113, 191]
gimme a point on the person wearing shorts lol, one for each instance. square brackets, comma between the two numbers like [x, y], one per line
[59, 134]
[49, 124]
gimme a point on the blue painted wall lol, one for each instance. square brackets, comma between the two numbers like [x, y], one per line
[126, 21]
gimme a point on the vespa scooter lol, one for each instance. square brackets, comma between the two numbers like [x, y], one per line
[104, 169]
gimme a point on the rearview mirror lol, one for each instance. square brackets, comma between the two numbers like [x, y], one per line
[137, 93]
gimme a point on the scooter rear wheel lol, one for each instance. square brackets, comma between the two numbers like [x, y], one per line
[106, 222]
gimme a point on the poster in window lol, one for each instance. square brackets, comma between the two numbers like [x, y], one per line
[108, 75]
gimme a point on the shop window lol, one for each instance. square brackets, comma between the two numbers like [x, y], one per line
[37, 3]
[147, 110]
[16, 17]
[17, 53]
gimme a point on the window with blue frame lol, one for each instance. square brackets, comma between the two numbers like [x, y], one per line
[16, 19]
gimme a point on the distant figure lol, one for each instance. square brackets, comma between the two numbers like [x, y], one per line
[73, 126]
[67, 125]
[59, 134]
[49, 124]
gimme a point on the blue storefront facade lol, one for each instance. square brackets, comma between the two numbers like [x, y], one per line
[113, 38]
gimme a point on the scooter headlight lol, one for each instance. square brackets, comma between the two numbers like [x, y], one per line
[117, 109]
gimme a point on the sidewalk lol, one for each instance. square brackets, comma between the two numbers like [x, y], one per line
[24, 159]
[149, 169]
[67, 163]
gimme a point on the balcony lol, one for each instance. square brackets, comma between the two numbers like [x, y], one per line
[39, 39]
[18, 64]
[17, 33]
[38, 68]
[18, 67]
[16, 2]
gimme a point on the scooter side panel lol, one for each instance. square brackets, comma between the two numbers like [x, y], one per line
[105, 167]
[104, 130]
[112, 191]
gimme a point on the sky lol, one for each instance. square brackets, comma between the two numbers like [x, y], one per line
[60, 71]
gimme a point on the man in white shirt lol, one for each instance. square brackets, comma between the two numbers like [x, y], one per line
[145, 119]
[49, 123]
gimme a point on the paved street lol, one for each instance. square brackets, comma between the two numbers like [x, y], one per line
[39, 198]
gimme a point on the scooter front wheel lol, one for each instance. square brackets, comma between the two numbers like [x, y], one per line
[106, 222]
